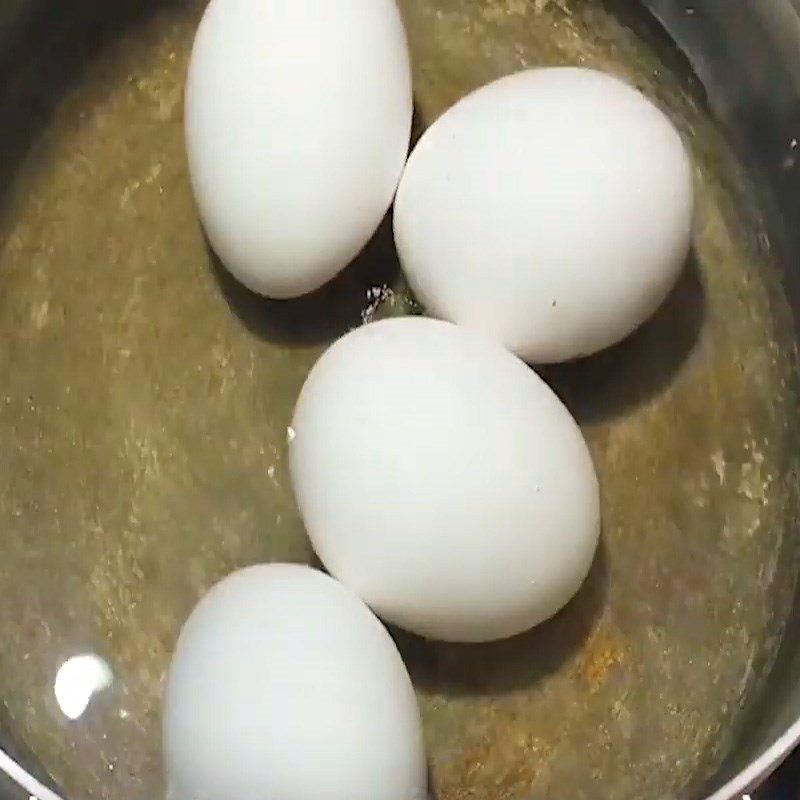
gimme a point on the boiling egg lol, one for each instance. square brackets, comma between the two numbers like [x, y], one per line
[297, 120]
[443, 481]
[284, 686]
[551, 210]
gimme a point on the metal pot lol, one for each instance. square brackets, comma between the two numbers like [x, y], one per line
[144, 397]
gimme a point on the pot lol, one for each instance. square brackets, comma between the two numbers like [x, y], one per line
[144, 399]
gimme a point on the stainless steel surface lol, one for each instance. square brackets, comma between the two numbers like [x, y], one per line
[748, 57]
[144, 398]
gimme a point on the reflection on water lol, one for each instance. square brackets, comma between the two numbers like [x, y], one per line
[78, 680]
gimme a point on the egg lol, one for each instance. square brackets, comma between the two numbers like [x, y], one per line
[297, 122]
[284, 686]
[443, 481]
[551, 210]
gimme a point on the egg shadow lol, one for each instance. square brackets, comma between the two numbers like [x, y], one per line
[313, 560]
[510, 664]
[418, 127]
[433, 794]
[614, 381]
[320, 316]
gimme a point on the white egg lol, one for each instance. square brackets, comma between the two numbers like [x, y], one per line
[442, 480]
[298, 120]
[284, 686]
[551, 210]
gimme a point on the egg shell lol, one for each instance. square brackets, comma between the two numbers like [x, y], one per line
[284, 686]
[443, 481]
[551, 210]
[297, 121]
